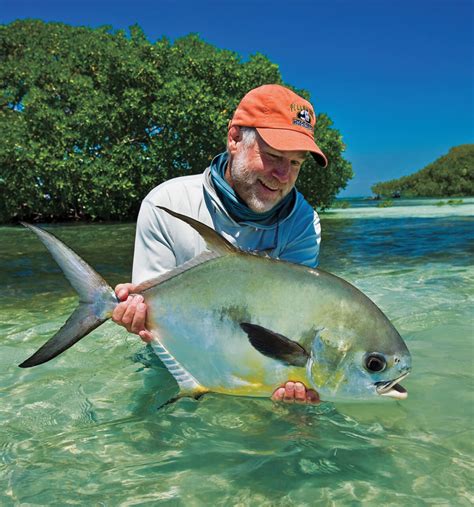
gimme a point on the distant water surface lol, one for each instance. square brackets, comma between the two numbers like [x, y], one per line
[84, 429]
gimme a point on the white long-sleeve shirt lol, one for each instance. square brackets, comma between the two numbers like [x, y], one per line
[164, 242]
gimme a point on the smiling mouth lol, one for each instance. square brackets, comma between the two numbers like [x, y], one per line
[267, 187]
[392, 389]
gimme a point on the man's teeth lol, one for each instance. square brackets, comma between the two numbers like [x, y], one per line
[268, 186]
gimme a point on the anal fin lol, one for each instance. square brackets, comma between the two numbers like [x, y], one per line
[188, 385]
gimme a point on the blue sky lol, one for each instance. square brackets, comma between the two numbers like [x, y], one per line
[396, 77]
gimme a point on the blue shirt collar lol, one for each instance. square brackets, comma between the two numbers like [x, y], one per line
[236, 207]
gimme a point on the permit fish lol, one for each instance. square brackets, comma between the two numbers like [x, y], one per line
[240, 323]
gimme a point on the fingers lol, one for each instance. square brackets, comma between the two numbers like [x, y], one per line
[278, 394]
[146, 336]
[118, 312]
[293, 392]
[289, 392]
[312, 396]
[122, 290]
[300, 392]
[131, 314]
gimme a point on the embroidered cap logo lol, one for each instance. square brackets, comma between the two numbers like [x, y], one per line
[304, 115]
[303, 119]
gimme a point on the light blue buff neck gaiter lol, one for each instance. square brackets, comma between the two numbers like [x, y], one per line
[236, 207]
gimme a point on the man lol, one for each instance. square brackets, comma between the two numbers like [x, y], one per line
[248, 195]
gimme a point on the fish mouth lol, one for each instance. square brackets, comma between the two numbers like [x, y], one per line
[392, 389]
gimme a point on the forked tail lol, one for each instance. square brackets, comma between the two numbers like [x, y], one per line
[96, 299]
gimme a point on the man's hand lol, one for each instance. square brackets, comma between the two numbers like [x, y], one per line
[131, 313]
[295, 392]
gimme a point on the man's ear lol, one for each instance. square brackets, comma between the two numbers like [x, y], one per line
[234, 136]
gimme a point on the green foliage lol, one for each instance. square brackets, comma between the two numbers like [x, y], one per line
[385, 204]
[449, 176]
[450, 202]
[93, 119]
[341, 205]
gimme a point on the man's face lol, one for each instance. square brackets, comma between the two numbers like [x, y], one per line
[263, 176]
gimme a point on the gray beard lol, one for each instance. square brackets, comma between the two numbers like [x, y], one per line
[247, 182]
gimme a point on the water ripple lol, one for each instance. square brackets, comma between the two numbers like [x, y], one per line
[86, 428]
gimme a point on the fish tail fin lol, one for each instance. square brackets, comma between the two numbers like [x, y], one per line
[97, 299]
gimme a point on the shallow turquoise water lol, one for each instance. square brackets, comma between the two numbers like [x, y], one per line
[84, 429]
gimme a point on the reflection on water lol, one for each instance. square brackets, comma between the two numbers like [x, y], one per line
[395, 243]
[85, 429]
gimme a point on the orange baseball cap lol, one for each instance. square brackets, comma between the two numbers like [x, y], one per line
[284, 120]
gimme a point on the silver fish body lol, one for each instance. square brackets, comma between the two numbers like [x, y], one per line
[197, 316]
[238, 323]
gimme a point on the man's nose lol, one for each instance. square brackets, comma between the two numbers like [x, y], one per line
[281, 171]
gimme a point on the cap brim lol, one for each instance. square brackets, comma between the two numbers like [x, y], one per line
[289, 140]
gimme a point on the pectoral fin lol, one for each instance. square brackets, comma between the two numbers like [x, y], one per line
[275, 345]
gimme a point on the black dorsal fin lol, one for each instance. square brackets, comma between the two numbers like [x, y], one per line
[214, 240]
[275, 345]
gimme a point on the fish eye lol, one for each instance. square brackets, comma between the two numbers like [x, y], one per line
[375, 362]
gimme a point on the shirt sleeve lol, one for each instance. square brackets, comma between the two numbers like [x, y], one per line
[153, 253]
[303, 246]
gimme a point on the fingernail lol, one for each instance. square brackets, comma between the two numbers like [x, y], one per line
[143, 335]
[141, 307]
